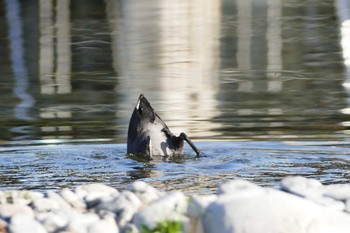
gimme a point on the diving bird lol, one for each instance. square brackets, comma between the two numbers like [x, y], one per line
[150, 136]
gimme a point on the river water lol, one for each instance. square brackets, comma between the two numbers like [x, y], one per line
[262, 87]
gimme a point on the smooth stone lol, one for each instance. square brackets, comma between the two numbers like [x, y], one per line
[198, 204]
[145, 192]
[79, 222]
[347, 206]
[53, 221]
[21, 223]
[91, 192]
[45, 204]
[172, 206]
[272, 211]
[338, 191]
[71, 198]
[302, 186]
[3, 226]
[239, 188]
[105, 225]
[123, 206]
[22, 197]
[327, 202]
[9, 210]
[60, 201]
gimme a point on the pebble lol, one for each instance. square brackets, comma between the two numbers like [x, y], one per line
[22, 223]
[298, 205]
[8, 210]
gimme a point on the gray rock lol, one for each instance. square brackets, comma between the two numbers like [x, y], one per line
[53, 221]
[9, 210]
[271, 211]
[71, 198]
[145, 192]
[21, 223]
[172, 206]
[123, 206]
[302, 186]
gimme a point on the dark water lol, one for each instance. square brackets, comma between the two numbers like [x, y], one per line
[271, 71]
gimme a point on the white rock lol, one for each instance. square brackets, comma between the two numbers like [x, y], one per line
[79, 222]
[123, 206]
[8, 210]
[71, 198]
[172, 206]
[21, 223]
[60, 201]
[105, 225]
[272, 211]
[91, 192]
[144, 191]
[53, 221]
[302, 186]
[45, 204]
[338, 191]
[239, 188]
[197, 204]
[327, 202]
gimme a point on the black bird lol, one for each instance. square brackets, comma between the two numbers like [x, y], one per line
[149, 135]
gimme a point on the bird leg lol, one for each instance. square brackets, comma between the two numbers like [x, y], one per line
[183, 136]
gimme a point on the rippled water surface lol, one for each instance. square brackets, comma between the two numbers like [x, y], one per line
[241, 78]
[265, 163]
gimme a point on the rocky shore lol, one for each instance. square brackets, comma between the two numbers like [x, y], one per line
[298, 205]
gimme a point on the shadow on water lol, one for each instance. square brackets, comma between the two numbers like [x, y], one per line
[53, 167]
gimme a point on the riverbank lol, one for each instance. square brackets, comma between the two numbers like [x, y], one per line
[297, 205]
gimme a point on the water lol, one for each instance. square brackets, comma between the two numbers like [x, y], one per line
[265, 163]
[242, 78]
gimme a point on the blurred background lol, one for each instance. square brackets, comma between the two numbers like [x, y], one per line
[72, 70]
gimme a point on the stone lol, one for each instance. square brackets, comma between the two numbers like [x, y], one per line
[123, 206]
[21, 223]
[45, 204]
[145, 192]
[71, 198]
[80, 222]
[339, 192]
[271, 211]
[302, 186]
[198, 204]
[91, 192]
[327, 202]
[9, 210]
[105, 225]
[3, 226]
[239, 187]
[59, 200]
[53, 221]
[171, 207]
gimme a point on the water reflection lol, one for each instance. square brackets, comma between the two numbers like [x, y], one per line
[219, 70]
